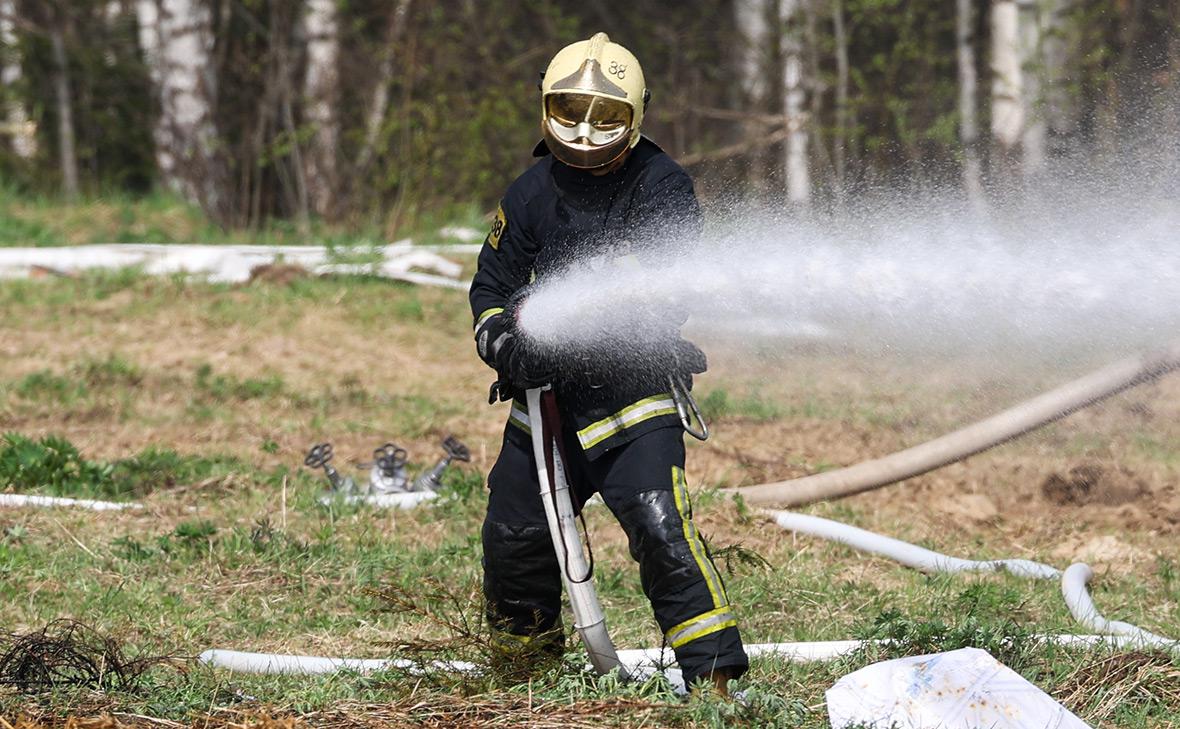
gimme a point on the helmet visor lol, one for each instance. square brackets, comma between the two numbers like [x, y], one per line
[586, 119]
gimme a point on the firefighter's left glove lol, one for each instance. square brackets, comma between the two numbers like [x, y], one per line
[690, 360]
[528, 368]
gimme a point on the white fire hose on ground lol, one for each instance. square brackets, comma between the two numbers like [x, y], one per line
[968, 441]
[643, 662]
[588, 615]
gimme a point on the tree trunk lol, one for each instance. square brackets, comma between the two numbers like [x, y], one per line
[1007, 81]
[176, 39]
[300, 202]
[968, 116]
[1059, 108]
[321, 99]
[21, 129]
[385, 70]
[1171, 121]
[65, 112]
[1032, 137]
[753, 19]
[840, 137]
[795, 159]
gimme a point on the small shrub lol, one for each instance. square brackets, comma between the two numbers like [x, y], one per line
[110, 372]
[463, 483]
[160, 468]
[51, 464]
[54, 465]
[45, 385]
[227, 387]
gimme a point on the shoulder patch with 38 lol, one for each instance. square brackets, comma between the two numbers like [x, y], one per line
[498, 226]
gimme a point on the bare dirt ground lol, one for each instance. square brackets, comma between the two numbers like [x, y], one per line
[1114, 468]
[260, 372]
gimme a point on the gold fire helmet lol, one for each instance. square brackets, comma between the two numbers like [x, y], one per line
[592, 100]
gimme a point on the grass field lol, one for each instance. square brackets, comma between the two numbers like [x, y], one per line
[200, 400]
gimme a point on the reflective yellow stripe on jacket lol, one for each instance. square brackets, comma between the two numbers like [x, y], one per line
[638, 412]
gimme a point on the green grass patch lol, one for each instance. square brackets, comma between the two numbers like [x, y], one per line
[224, 388]
[719, 403]
[54, 466]
[45, 386]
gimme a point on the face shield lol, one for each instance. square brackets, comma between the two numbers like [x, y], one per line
[586, 130]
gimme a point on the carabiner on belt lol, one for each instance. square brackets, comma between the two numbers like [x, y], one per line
[686, 408]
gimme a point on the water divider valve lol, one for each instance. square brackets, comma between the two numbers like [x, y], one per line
[319, 457]
[387, 473]
[453, 450]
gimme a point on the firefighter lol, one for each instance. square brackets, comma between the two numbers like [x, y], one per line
[600, 191]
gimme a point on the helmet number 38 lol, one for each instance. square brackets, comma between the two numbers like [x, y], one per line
[592, 102]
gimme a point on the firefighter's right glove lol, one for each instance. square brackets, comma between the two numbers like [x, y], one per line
[493, 341]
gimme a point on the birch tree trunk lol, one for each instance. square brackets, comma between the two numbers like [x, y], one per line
[1007, 105]
[795, 161]
[22, 131]
[321, 98]
[754, 19]
[1032, 137]
[385, 69]
[968, 116]
[176, 39]
[840, 138]
[1059, 108]
[68, 158]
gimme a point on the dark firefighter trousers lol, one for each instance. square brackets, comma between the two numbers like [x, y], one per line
[642, 483]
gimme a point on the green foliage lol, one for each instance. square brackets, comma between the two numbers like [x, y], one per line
[439, 148]
[43, 385]
[155, 468]
[114, 371]
[51, 465]
[718, 403]
[464, 484]
[222, 388]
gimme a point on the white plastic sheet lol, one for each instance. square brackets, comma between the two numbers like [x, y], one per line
[234, 263]
[961, 689]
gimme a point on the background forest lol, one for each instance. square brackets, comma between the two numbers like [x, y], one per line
[369, 113]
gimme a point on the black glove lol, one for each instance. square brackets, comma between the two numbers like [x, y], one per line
[493, 338]
[519, 364]
[690, 360]
[526, 367]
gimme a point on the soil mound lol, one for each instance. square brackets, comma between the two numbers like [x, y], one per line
[1091, 483]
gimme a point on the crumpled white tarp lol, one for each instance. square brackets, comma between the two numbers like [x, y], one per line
[961, 689]
[231, 263]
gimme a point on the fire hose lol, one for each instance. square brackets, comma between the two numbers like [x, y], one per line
[1000, 428]
[591, 622]
[567, 542]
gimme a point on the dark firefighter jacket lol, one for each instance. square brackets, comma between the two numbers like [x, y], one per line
[554, 218]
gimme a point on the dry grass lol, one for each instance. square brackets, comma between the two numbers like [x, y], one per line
[432, 711]
[362, 362]
[1105, 685]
